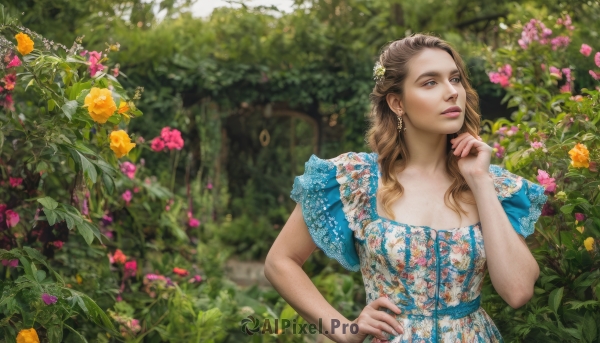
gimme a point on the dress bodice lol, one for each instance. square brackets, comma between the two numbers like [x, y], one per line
[433, 276]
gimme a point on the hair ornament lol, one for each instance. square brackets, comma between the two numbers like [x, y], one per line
[378, 72]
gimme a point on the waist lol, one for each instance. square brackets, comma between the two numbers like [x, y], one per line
[455, 312]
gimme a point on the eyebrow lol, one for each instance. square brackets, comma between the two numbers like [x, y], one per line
[435, 73]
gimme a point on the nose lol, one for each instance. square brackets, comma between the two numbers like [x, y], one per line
[452, 90]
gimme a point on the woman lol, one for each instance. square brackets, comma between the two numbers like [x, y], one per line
[422, 217]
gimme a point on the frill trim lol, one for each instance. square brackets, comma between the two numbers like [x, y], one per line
[309, 191]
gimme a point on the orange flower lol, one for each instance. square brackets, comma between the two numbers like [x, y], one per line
[180, 271]
[100, 104]
[123, 107]
[119, 257]
[24, 43]
[28, 336]
[120, 143]
[580, 156]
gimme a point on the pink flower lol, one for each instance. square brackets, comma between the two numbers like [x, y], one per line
[15, 181]
[12, 218]
[595, 75]
[58, 244]
[209, 186]
[136, 189]
[585, 50]
[49, 299]
[548, 210]
[127, 196]
[170, 138]
[513, 129]
[9, 81]
[499, 149]
[193, 222]
[128, 169]
[196, 279]
[545, 180]
[502, 76]
[115, 72]
[566, 88]
[597, 59]
[7, 102]
[93, 61]
[15, 62]
[10, 263]
[555, 72]
[567, 72]
[579, 217]
[560, 41]
[130, 268]
[157, 144]
[537, 145]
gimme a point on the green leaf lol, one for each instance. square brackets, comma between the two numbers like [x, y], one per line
[54, 334]
[40, 275]
[88, 168]
[69, 108]
[589, 327]
[50, 216]
[109, 183]
[567, 209]
[86, 232]
[555, 298]
[48, 203]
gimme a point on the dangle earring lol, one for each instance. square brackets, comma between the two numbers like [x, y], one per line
[400, 123]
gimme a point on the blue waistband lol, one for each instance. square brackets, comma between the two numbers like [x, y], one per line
[460, 310]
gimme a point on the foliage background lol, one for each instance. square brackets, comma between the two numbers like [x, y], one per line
[304, 77]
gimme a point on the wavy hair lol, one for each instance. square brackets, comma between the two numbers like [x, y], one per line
[383, 136]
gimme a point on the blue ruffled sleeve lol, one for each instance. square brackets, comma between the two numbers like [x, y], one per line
[521, 199]
[330, 193]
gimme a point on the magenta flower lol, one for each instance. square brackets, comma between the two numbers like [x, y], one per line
[157, 144]
[15, 181]
[566, 88]
[193, 222]
[597, 59]
[595, 75]
[548, 210]
[579, 217]
[196, 279]
[58, 244]
[499, 149]
[546, 181]
[12, 218]
[10, 263]
[128, 169]
[209, 185]
[94, 62]
[49, 299]
[585, 50]
[130, 268]
[15, 62]
[127, 196]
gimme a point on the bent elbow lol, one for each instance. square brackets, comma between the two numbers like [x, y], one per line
[520, 298]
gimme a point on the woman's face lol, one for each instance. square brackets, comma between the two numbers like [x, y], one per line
[433, 84]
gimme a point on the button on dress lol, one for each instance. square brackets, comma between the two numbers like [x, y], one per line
[433, 276]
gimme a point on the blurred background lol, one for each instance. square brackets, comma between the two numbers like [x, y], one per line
[256, 87]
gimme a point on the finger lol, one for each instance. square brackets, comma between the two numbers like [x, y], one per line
[389, 320]
[381, 329]
[385, 303]
[458, 139]
[461, 145]
[467, 149]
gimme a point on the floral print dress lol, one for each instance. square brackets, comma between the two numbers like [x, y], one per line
[433, 276]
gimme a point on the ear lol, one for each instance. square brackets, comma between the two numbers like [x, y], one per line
[395, 103]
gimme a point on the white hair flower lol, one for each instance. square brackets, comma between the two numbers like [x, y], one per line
[378, 72]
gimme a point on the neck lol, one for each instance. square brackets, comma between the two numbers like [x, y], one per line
[427, 151]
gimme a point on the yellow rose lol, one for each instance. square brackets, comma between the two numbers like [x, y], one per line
[100, 104]
[580, 156]
[589, 244]
[28, 336]
[120, 143]
[24, 43]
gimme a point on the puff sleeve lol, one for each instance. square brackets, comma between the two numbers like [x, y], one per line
[521, 199]
[330, 193]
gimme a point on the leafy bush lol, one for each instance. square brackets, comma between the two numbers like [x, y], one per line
[552, 137]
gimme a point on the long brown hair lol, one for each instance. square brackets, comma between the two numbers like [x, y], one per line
[383, 136]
